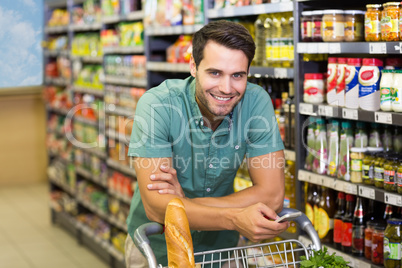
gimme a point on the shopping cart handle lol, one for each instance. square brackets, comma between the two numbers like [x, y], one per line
[306, 225]
[142, 242]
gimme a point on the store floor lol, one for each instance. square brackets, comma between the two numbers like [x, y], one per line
[29, 240]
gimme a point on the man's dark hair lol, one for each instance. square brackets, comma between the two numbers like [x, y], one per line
[226, 33]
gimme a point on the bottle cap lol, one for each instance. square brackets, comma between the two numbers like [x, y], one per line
[333, 11]
[342, 60]
[307, 13]
[355, 12]
[346, 124]
[332, 60]
[372, 62]
[350, 198]
[341, 195]
[355, 61]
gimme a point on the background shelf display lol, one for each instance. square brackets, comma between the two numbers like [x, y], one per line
[124, 80]
[272, 72]
[173, 30]
[168, 67]
[95, 92]
[350, 48]
[85, 27]
[123, 50]
[119, 167]
[56, 29]
[250, 10]
[132, 16]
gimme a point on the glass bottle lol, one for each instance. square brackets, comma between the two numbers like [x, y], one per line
[347, 224]
[310, 150]
[326, 215]
[397, 137]
[259, 41]
[386, 138]
[321, 158]
[290, 193]
[292, 115]
[358, 229]
[340, 211]
[361, 137]
[377, 243]
[316, 207]
[392, 243]
[346, 143]
[333, 150]
[375, 138]
[268, 41]
[388, 212]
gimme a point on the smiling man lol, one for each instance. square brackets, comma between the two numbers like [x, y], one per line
[189, 138]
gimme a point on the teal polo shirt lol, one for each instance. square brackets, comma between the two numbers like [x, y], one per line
[168, 123]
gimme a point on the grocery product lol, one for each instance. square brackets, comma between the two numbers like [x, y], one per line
[368, 236]
[356, 161]
[340, 82]
[331, 80]
[306, 26]
[399, 177]
[354, 25]
[347, 223]
[369, 79]
[333, 25]
[352, 82]
[260, 39]
[392, 243]
[313, 88]
[346, 143]
[321, 157]
[340, 211]
[386, 138]
[390, 22]
[361, 137]
[368, 165]
[390, 170]
[379, 170]
[397, 91]
[375, 138]
[386, 88]
[372, 24]
[377, 243]
[310, 145]
[333, 150]
[326, 214]
[316, 25]
[358, 226]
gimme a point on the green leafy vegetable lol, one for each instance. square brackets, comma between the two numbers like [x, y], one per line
[321, 258]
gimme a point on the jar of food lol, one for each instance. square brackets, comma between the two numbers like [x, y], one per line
[316, 25]
[377, 243]
[368, 236]
[390, 22]
[379, 170]
[369, 79]
[333, 25]
[399, 177]
[397, 91]
[392, 243]
[368, 160]
[306, 26]
[390, 169]
[313, 88]
[372, 24]
[356, 159]
[354, 25]
[386, 84]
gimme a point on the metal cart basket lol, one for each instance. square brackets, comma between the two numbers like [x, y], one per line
[284, 253]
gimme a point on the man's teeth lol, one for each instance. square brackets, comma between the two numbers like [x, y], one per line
[220, 98]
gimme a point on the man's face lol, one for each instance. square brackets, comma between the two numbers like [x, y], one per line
[221, 79]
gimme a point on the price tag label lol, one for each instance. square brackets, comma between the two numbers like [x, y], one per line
[287, 6]
[334, 48]
[301, 47]
[349, 114]
[312, 48]
[306, 108]
[378, 48]
[384, 118]
[350, 188]
[366, 192]
[280, 72]
[325, 110]
[323, 48]
[321, 110]
[302, 175]
[392, 199]
[339, 185]
[290, 155]
[315, 179]
[328, 182]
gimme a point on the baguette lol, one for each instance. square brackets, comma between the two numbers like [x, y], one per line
[178, 237]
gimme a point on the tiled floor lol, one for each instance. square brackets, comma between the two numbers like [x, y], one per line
[28, 238]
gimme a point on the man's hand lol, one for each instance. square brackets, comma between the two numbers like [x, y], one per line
[254, 223]
[166, 182]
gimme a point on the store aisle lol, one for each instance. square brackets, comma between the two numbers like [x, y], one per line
[27, 237]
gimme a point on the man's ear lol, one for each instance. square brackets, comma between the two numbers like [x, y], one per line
[193, 68]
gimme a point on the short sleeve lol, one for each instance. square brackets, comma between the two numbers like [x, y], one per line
[262, 135]
[150, 133]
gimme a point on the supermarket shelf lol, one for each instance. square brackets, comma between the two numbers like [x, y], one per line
[62, 111]
[354, 262]
[124, 50]
[112, 134]
[62, 185]
[62, 218]
[88, 59]
[351, 114]
[95, 92]
[56, 29]
[132, 16]
[350, 48]
[113, 109]
[122, 225]
[122, 168]
[119, 196]
[56, 53]
[168, 67]
[250, 10]
[88, 175]
[85, 27]
[366, 191]
[57, 81]
[173, 30]
[290, 155]
[127, 81]
[86, 121]
[272, 72]
[92, 207]
[93, 151]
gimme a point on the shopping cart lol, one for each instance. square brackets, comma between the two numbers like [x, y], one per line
[274, 254]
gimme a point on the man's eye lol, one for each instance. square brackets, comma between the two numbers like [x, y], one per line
[237, 75]
[214, 73]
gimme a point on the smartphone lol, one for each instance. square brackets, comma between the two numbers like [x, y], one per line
[289, 216]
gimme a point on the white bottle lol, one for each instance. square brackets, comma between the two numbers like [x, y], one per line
[369, 79]
[352, 83]
[397, 92]
[331, 80]
[340, 82]
[386, 90]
